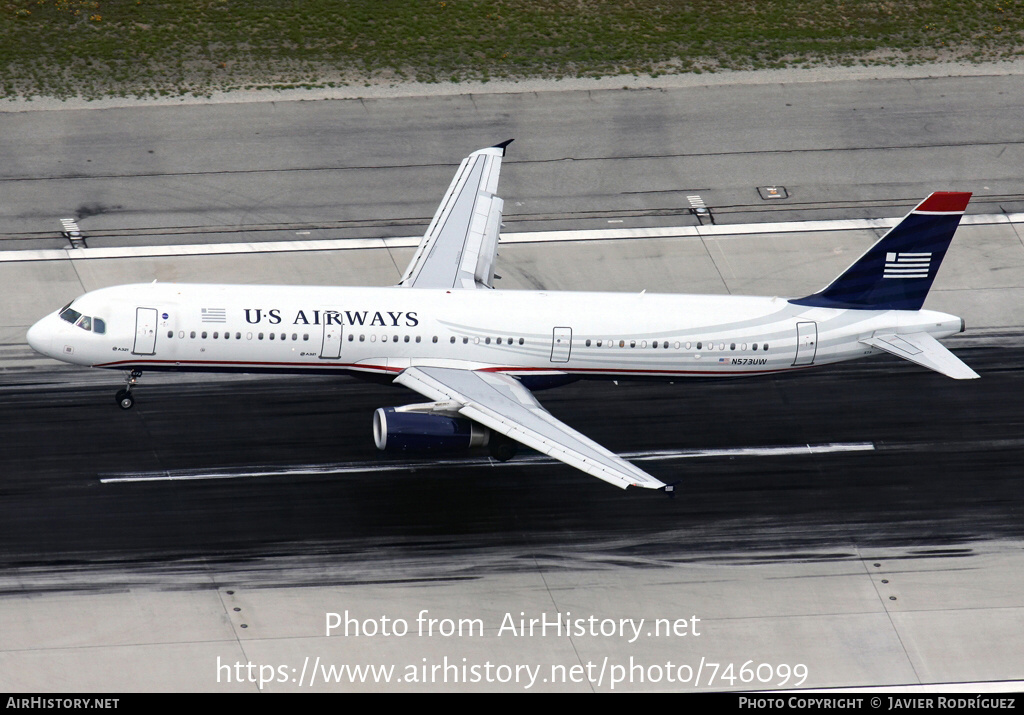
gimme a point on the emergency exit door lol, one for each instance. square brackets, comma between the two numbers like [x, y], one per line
[561, 344]
[330, 349]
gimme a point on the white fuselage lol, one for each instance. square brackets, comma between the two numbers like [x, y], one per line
[532, 334]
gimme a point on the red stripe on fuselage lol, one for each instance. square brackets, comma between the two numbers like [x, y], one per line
[310, 367]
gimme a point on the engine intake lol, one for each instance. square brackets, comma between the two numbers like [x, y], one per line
[406, 429]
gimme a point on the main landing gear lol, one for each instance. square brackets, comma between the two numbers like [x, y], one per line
[124, 397]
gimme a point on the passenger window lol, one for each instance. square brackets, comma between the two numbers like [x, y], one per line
[192, 335]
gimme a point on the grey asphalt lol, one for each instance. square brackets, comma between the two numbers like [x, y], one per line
[841, 150]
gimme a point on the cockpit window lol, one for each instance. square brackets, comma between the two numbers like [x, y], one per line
[70, 314]
[85, 322]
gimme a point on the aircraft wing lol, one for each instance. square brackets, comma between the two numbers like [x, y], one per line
[503, 404]
[926, 351]
[460, 245]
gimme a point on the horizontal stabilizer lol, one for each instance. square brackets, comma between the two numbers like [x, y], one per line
[926, 351]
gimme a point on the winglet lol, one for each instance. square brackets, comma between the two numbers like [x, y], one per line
[503, 145]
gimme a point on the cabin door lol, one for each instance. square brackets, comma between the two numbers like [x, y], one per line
[145, 331]
[806, 343]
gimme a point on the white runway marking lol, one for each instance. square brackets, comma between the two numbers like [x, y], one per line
[600, 234]
[752, 451]
[364, 467]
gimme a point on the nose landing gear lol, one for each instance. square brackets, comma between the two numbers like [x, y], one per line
[124, 397]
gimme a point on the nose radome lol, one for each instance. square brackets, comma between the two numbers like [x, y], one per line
[38, 338]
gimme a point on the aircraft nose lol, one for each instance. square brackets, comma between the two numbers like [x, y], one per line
[39, 338]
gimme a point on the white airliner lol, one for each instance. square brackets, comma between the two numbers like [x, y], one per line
[476, 353]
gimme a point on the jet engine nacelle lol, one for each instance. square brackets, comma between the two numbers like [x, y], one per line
[411, 429]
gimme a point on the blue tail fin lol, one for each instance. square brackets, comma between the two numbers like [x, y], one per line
[897, 272]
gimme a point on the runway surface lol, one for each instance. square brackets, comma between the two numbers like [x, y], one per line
[377, 167]
[287, 467]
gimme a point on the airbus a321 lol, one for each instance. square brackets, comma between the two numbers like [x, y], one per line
[477, 354]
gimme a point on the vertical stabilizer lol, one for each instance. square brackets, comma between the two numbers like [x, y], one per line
[897, 272]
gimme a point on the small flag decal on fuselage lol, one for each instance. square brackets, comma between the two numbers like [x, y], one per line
[907, 265]
[215, 315]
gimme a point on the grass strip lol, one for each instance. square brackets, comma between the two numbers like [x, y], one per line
[99, 48]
